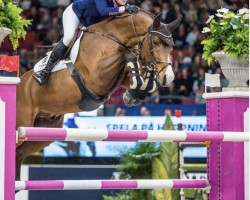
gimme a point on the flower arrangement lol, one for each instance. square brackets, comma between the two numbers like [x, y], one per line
[10, 17]
[228, 31]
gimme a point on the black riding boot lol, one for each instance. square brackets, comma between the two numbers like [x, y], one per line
[57, 54]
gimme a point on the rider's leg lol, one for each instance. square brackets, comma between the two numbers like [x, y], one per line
[136, 82]
[70, 24]
[57, 53]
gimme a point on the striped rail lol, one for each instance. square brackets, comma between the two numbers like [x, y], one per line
[108, 184]
[64, 134]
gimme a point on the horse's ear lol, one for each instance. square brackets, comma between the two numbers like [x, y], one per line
[157, 21]
[173, 25]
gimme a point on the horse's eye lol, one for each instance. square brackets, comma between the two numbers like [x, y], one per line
[156, 43]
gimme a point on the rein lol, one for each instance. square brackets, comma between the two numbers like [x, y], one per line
[105, 35]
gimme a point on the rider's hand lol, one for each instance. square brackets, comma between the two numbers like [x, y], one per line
[131, 8]
[121, 9]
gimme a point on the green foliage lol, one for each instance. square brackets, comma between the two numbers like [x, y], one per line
[118, 196]
[10, 17]
[136, 163]
[168, 124]
[159, 172]
[229, 33]
[149, 161]
[169, 155]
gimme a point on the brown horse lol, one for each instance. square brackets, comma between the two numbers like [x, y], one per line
[100, 63]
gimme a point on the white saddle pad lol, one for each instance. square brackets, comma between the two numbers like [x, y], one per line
[63, 63]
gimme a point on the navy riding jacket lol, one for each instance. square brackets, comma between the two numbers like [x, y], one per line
[93, 11]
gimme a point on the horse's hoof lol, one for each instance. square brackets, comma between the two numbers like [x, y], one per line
[137, 102]
[128, 99]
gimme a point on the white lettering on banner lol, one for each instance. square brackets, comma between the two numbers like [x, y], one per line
[151, 126]
[140, 123]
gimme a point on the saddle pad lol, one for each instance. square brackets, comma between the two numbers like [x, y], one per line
[63, 63]
[75, 49]
[42, 63]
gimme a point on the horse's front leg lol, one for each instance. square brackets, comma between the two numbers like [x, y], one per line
[139, 86]
[136, 81]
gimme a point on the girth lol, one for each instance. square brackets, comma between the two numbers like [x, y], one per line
[90, 101]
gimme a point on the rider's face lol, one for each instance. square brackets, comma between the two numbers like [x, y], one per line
[121, 2]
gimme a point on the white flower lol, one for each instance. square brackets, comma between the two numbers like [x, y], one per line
[243, 11]
[209, 19]
[219, 15]
[246, 16]
[223, 10]
[205, 30]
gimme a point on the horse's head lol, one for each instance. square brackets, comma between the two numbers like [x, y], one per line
[156, 49]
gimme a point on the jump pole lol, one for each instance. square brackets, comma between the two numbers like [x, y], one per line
[8, 137]
[109, 184]
[75, 134]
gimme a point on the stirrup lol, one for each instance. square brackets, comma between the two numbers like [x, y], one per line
[38, 78]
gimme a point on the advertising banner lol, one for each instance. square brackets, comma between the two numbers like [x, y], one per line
[112, 149]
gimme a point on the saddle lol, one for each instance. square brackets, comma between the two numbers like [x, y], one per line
[69, 57]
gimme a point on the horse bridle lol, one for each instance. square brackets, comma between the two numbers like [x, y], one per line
[149, 34]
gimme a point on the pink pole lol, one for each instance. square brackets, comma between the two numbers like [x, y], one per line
[69, 134]
[8, 137]
[109, 184]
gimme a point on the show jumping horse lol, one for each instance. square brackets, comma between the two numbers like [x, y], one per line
[100, 65]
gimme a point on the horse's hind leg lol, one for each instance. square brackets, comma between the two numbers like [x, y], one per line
[28, 148]
[26, 119]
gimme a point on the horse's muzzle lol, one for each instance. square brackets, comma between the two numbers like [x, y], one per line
[168, 77]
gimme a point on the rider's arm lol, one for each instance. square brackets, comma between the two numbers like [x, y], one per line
[104, 10]
[78, 7]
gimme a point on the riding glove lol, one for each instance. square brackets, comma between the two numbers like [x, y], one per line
[131, 8]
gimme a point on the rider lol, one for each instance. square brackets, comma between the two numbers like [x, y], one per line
[85, 12]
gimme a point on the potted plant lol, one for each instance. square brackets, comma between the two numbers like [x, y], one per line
[11, 22]
[227, 41]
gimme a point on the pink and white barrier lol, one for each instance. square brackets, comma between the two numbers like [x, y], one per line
[108, 184]
[64, 134]
[7, 136]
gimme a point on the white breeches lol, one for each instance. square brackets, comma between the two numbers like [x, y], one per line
[70, 24]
